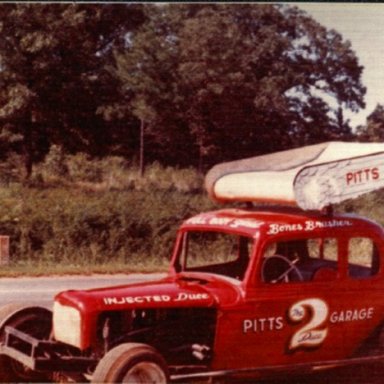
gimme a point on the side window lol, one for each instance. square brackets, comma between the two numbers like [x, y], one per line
[363, 258]
[300, 260]
[325, 249]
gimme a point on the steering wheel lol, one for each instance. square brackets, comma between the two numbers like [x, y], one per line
[278, 269]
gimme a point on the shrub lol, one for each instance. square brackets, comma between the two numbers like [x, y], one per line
[114, 173]
[79, 211]
[118, 228]
[11, 169]
[82, 168]
[55, 162]
[78, 227]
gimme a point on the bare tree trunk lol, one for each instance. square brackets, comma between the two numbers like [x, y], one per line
[141, 159]
[27, 149]
[201, 155]
[201, 161]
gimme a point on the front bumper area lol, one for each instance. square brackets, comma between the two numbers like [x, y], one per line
[44, 355]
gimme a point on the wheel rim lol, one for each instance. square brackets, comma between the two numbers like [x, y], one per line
[145, 372]
[36, 327]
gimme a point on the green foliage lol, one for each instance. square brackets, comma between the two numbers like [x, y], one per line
[373, 131]
[369, 205]
[81, 168]
[123, 224]
[53, 78]
[112, 173]
[11, 169]
[54, 162]
[206, 82]
[238, 76]
[71, 221]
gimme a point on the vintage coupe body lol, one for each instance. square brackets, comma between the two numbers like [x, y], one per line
[251, 291]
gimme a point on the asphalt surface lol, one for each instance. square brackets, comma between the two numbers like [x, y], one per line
[43, 289]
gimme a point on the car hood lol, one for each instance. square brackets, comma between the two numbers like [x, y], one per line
[173, 291]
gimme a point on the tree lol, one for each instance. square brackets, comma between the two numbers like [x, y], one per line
[243, 79]
[147, 70]
[374, 129]
[53, 76]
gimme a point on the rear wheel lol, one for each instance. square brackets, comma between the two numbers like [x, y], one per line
[131, 363]
[36, 322]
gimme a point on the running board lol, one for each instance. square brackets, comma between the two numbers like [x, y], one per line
[316, 366]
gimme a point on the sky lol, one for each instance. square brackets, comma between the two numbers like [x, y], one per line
[363, 26]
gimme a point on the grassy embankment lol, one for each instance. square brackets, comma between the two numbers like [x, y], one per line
[101, 217]
[96, 217]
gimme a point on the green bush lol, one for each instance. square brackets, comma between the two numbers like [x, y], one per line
[100, 214]
[370, 205]
[95, 213]
[73, 226]
[55, 162]
[82, 168]
[127, 225]
[112, 173]
[11, 169]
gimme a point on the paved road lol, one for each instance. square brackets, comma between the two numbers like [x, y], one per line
[42, 290]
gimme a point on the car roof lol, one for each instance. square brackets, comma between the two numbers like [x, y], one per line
[278, 221]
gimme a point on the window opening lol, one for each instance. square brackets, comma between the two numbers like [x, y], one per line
[216, 252]
[300, 260]
[363, 258]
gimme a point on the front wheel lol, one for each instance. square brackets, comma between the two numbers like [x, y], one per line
[131, 363]
[34, 321]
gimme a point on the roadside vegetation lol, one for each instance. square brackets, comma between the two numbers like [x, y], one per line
[79, 216]
[370, 206]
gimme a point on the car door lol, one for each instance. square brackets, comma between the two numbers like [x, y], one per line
[286, 321]
[359, 311]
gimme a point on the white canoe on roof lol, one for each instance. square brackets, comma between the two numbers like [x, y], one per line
[311, 177]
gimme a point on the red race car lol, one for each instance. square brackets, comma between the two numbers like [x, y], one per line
[251, 291]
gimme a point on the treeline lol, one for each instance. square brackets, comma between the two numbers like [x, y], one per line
[183, 84]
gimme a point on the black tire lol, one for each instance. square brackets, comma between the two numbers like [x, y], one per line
[131, 363]
[37, 322]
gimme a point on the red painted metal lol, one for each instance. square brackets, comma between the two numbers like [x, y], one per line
[261, 324]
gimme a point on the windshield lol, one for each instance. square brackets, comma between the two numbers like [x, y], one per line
[215, 252]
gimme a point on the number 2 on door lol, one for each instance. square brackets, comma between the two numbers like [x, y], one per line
[312, 333]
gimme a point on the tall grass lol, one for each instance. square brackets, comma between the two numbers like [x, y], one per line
[96, 216]
[81, 215]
